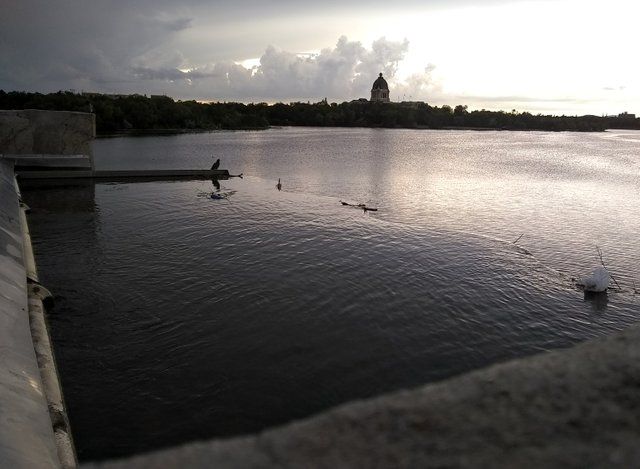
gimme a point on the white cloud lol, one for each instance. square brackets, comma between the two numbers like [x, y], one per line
[423, 86]
[343, 72]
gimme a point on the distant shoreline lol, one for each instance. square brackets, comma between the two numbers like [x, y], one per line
[170, 132]
[160, 115]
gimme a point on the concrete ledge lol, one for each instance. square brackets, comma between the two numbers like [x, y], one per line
[50, 378]
[156, 174]
[574, 408]
[26, 434]
[54, 174]
[125, 175]
[44, 162]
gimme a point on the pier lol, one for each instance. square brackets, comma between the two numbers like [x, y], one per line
[106, 175]
[49, 167]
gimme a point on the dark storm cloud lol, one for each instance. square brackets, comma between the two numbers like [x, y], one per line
[70, 44]
[177, 24]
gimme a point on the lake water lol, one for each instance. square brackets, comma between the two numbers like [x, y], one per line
[181, 317]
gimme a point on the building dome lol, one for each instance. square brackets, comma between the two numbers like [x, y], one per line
[380, 90]
[380, 84]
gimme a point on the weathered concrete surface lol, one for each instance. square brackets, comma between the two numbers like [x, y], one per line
[25, 132]
[576, 408]
[26, 434]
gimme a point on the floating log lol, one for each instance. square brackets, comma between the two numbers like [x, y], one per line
[362, 206]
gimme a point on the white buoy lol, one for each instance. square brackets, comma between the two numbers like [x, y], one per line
[598, 281]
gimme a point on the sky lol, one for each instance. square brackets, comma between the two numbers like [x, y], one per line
[560, 57]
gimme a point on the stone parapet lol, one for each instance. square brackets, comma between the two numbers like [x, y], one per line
[26, 432]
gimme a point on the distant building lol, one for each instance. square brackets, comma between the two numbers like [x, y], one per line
[380, 90]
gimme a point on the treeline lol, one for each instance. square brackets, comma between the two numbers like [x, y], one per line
[137, 113]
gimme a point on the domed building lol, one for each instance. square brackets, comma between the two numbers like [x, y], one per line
[380, 90]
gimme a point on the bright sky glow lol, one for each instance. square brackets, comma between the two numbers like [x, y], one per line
[548, 56]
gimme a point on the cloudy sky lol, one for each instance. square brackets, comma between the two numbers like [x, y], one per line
[545, 56]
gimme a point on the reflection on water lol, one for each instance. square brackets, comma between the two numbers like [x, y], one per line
[188, 317]
[73, 195]
[598, 301]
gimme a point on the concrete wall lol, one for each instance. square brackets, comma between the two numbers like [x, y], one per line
[35, 132]
[26, 433]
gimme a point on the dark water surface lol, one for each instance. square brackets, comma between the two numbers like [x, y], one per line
[180, 317]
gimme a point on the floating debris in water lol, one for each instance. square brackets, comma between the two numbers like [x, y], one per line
[362, 206]
[215, 195]
[598, 281]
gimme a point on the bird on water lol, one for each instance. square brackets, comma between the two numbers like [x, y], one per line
[216, 165]
[279, 185]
